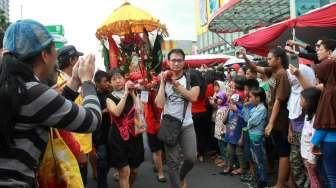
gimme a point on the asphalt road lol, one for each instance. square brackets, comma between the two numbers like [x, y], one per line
[203, 175]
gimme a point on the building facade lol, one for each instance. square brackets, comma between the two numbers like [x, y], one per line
[185, 45]
[209, 42]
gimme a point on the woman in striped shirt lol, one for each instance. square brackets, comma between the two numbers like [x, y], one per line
[29, 108]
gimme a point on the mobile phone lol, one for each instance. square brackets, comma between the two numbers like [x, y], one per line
[294, 60]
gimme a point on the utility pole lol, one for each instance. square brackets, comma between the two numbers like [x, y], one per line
[21, 9]
[292, 8]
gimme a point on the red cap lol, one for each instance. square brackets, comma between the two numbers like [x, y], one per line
[236, 67]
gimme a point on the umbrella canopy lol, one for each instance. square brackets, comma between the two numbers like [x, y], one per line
[234, 61]
[241, 15]
[194, 61]
[128, 19]
[308, 28]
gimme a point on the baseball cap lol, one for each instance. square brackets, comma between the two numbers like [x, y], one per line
[64, 54]
[26, 38]
[68, 51]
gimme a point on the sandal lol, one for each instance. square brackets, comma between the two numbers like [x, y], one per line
[161, 179]
[222, 164]
[225, 172]
[218, 161]
[237, 172]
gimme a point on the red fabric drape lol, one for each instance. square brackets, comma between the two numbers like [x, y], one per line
[318, 23]
[113, 53]
[258, 42]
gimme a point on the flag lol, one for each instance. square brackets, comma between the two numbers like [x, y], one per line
[113, 53]
[157, 54]
[105, 55]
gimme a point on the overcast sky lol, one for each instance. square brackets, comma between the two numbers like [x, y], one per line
[81, 18]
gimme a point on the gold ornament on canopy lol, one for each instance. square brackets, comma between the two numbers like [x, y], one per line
[128, 19]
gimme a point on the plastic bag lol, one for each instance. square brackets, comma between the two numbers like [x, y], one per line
[139, 119]
[59, 167]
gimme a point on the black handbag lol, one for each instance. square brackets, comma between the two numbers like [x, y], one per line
[171, 127]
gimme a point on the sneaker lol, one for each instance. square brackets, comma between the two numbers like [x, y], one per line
[251, 185]
[246, 177]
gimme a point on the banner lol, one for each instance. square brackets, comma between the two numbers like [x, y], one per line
[213, 6]
[203, 12]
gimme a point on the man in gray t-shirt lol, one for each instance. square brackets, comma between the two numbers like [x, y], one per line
[172, 95]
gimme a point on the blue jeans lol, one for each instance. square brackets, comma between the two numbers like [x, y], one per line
[222, 149]
[102, 166]
[329, 162]
[259, 157]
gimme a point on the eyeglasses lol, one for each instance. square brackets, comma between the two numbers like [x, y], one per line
[177, 60]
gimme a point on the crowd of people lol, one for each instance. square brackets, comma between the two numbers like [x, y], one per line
[252, 120]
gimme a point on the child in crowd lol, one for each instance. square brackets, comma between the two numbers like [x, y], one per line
[239, 88]
[232, 136]
[257, 119]
[309, 102]
[218, 87]
[248, 86]
[220, 127]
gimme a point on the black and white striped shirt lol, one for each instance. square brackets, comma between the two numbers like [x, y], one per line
[43, 108]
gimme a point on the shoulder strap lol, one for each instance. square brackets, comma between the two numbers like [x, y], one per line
[185, 106]
[187, 75]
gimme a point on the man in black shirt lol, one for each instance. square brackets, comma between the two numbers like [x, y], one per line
[102, 81]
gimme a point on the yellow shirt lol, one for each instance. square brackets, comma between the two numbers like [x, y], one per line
[84, 140]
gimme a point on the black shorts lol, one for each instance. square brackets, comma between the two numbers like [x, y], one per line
[154, 143]
[281, 143]
[124, 153]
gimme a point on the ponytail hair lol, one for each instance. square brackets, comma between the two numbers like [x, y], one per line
[14, 73]
[259, 92]
[312, 97]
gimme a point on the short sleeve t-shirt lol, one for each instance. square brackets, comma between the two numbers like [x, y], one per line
[281, 92]
[175, 101]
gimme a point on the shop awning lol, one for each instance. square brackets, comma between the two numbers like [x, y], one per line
[243, 15]
[308, 28]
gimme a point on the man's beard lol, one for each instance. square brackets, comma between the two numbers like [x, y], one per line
[51, 79]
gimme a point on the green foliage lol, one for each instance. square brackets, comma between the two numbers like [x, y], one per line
[105, 55]
[4, 23]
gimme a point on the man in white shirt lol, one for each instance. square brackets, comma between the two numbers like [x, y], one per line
[172, 95]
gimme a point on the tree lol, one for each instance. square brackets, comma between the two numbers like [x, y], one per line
[3, 21]
[3, 25]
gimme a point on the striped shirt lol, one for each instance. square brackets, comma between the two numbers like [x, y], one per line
[41, 109]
